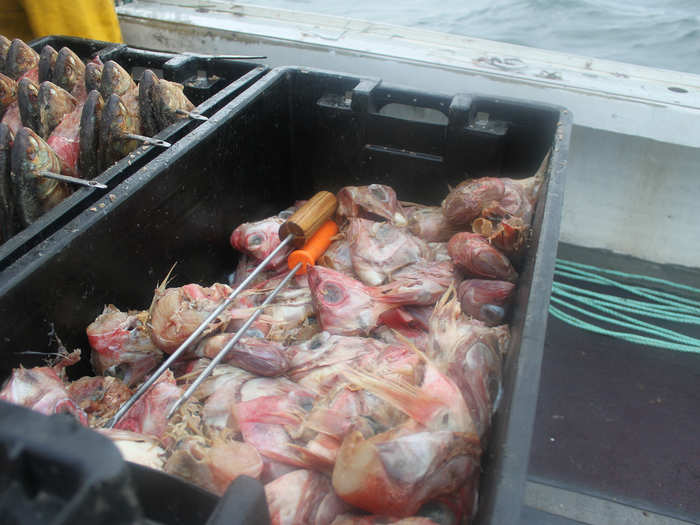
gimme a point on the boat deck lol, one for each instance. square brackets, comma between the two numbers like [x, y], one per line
[617, 426]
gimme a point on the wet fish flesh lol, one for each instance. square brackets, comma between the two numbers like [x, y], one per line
[34, 194]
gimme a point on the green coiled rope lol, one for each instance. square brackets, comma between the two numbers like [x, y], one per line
[624, 312]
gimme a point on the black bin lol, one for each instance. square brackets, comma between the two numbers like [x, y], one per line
[208, 82]
[294, 132]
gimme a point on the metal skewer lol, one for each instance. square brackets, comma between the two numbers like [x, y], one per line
[73, 180]
[309, 219]
[147, 140]
[191, 114]
[226, 57]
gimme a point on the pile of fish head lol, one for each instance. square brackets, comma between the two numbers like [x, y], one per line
[20, 59]
[34, 194]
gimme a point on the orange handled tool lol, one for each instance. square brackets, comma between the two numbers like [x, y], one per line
[314, 248]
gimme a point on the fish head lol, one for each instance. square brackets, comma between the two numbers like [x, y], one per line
[116, 121]
[257, 239]
[28, 100]
[20, 59]
[69, 70]
[47, 63]
[147, 86]
[93, 76]
[30, 155]
[168, 101]
[115, 80]
[344, 305]
[89, 134]
[54, 103]
[375, 201]
[4, 48]
[485, 300]
[8, 92]
[465, 202]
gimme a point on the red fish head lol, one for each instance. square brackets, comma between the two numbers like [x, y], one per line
[375, 202]
[485, 300]
[464, 203]
[344, 305]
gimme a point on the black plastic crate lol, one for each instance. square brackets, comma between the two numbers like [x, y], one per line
[294, 132]
[209, 83]
[56, 471]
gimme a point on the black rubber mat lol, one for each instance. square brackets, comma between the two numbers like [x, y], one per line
[618, 420]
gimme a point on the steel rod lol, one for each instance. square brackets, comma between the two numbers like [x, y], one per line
[163, 367]
[205, 373]
[73, 180]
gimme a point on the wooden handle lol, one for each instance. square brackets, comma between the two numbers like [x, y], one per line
[309, 218]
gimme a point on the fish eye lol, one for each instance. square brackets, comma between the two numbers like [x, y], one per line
[255, 239]
[378, 192]
[332, 293]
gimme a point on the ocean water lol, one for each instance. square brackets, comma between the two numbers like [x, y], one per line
[656, 33]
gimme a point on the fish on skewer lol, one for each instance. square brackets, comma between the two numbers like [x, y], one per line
[34, 194]
[28, 100]
[162, 103]
[4, 48]
[120, 118]
[69, 73]
[21, 60]
[8, 92]
[47, 63]
[89, 132]
[54, 104]
[7, 202]
[93, 75]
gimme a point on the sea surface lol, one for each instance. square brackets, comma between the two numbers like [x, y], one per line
[657, 33]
